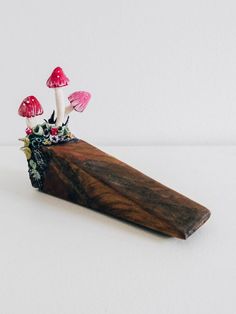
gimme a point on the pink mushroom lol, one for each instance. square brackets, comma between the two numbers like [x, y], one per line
[78, 102]
[30, 108]
[57, 80]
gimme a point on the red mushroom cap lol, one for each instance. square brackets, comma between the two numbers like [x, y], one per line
[57, 79]
[79, 100]
[30, 107]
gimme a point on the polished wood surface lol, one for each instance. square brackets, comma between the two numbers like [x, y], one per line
[81, 173]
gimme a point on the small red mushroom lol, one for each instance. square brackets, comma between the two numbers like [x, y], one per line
[78, 101]
[54, 131]
[30, 108]
[57, 80]
[28, 131]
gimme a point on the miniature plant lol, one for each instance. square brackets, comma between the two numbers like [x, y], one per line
[52, 131]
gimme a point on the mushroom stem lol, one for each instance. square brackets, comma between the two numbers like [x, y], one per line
[59, 95]
[68, 110]
[31, 122]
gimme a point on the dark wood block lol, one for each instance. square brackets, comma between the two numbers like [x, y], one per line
[81, 173]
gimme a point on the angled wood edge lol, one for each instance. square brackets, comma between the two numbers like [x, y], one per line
[83, 174]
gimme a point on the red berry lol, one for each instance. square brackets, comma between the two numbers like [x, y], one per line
[54, 131]
[28, 131]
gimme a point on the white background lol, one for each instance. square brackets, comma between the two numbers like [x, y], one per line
[160, 72]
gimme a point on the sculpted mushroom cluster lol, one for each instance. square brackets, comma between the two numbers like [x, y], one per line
[53, 131]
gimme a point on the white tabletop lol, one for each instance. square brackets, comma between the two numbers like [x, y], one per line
[57, 257]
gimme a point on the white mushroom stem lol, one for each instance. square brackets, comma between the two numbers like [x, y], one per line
[68, 110]
[59, 95]
[31, 122]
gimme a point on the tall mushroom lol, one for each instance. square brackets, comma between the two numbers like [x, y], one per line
[78, 102]
[30, 108]
[57, 80]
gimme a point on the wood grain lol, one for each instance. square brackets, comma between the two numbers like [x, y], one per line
[81, 173]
